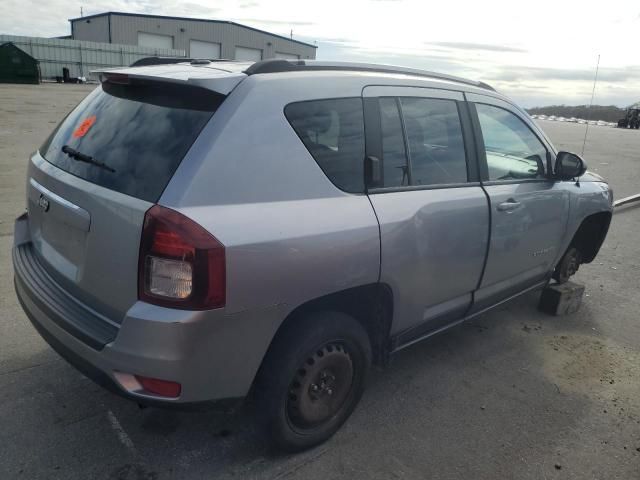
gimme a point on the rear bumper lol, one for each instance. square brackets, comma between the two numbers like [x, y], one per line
[102, 378]
[212, 355]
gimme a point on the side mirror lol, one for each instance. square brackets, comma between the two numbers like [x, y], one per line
[569, 166]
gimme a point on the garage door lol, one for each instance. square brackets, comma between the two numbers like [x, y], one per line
[287, 56]
[153, 40]
[200, 49]
[248, 54]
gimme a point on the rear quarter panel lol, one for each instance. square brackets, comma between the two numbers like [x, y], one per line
[289, 252]
[290, 235]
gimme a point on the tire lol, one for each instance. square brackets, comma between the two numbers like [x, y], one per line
[568, 265]
[312, 379]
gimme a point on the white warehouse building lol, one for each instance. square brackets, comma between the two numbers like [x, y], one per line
[198, 38]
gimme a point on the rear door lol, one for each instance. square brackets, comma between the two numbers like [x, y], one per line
[92, 181]
[433, 213]
[529, 212]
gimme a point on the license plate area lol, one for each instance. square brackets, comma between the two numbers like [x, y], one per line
[59, 230]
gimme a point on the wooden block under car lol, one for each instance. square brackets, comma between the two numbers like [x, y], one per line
[561, 299]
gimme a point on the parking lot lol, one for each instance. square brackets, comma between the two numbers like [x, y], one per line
[513, 394]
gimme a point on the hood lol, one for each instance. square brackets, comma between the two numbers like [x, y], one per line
[592, 177]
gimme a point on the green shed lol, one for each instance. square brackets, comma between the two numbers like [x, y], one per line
[17, 66]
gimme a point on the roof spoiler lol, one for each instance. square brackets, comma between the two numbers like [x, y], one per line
[223, 83]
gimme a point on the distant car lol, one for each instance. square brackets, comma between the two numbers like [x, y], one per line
[601, 123]
[200, 232]
[592, 122]
[561, 119]
[572, 120]
[542, 117]
[552, 117]
[581, 121]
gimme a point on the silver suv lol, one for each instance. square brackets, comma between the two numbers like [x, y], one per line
[206, 231]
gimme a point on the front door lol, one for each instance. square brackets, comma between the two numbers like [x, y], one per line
[433, 213]
[528, 211]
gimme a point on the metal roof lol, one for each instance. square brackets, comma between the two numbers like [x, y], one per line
[166, 17]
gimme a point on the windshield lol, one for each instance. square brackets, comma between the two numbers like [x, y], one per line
[141, 130]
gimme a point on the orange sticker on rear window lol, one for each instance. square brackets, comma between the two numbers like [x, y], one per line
[84, 127]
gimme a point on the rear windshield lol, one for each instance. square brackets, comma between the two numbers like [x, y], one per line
[140, 131]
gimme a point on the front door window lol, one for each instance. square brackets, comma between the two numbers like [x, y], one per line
[513, 151]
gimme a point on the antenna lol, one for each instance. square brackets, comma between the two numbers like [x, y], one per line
[81, 11]
[291, 34]
[593, 92]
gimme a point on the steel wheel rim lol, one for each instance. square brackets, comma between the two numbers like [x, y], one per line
[320, 387]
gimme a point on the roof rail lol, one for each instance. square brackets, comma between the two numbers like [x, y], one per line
[146, 61]
[280, 65]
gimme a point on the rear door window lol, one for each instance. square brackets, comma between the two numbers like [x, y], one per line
[333, 132]
[140, 131]
[422, 142]
[434, 137]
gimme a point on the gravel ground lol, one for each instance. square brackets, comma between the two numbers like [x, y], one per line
[513, 394]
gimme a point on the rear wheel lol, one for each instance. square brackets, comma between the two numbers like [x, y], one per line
[312, 379]
[568, 265]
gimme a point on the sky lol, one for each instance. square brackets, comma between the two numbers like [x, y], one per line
[539, 53]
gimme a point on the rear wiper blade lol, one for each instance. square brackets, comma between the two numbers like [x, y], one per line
[81, 157]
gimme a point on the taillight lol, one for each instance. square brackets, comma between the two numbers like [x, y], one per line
[181, 265]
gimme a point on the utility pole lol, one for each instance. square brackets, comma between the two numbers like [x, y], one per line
[291, 34]
[81, 11]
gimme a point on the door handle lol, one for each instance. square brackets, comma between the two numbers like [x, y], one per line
[508, 206]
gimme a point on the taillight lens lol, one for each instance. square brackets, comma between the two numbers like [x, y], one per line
[181, 265]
